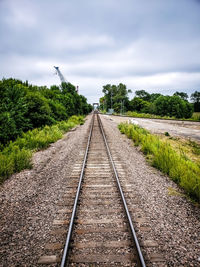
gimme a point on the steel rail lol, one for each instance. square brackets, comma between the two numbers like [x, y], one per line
[142, 262]
[69, 234]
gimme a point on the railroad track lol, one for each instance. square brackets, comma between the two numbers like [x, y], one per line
[100, 232]
[94, 212]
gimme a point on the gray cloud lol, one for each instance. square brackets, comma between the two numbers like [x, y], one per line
[152, 45]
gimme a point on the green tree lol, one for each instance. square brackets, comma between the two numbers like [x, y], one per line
[195, 97]
[154, 96]
[139, 105]
[182, 95]
[39, 110]
[13, 110]
[143, 95]
[173, 106]
[115, 96]
[24, 106]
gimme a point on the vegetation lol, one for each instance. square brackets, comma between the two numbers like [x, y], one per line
[17, 155]
[195, 116]
[195, 97]
[176, 106]
[32, 117]
[24, 107]
[115, 96]
[171, 161]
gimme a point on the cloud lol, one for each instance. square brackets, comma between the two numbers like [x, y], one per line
[152, 45]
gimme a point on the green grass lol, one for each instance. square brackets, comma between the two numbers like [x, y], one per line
[164, 157]
[18, 154]
[195, 116]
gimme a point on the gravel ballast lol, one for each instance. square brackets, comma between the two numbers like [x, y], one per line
[174, 220]
[29, 201]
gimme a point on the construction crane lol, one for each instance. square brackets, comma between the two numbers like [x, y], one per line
[62, 78]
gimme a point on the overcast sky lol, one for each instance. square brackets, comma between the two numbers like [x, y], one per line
[146, 44]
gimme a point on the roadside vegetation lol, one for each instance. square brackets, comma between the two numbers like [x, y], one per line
[195, 116]
[24, 106]
[17, 155]
[146, 105]
[32, 117]
[178, 159]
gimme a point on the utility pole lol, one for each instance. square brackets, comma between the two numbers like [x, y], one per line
[111, 99]
[122, 107]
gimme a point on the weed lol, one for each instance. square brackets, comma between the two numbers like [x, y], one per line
[165, 158]
[17, 155]
[195, 147]
[196, 116]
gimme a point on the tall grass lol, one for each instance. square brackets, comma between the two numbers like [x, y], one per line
[179, 168]
[196, 116]
[17, 155]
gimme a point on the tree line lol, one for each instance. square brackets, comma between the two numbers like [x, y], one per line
[24, 106]
[177, 105]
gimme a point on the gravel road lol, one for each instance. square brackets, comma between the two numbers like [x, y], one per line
[185, 129]
[29, 202]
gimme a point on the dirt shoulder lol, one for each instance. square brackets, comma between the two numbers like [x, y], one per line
[185, 129]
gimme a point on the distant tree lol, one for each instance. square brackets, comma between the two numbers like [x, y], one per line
[139, 105]
[182, 95]
[102, 102]
[154, 96]
[115, 95]
[173, 106]
[195, 97]
[143, 95]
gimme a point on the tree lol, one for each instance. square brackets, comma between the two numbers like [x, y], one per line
[173, 106]
[143, 95]
[39, 110]
[154, 96]
[114, 95]
[182, 95]
[24, 106]
[68, 88]
[13, 110]
[195, 97]
[139, 105]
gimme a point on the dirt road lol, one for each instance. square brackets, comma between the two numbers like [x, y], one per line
[185, 129]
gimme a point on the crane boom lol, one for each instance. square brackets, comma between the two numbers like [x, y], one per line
[62, 78]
